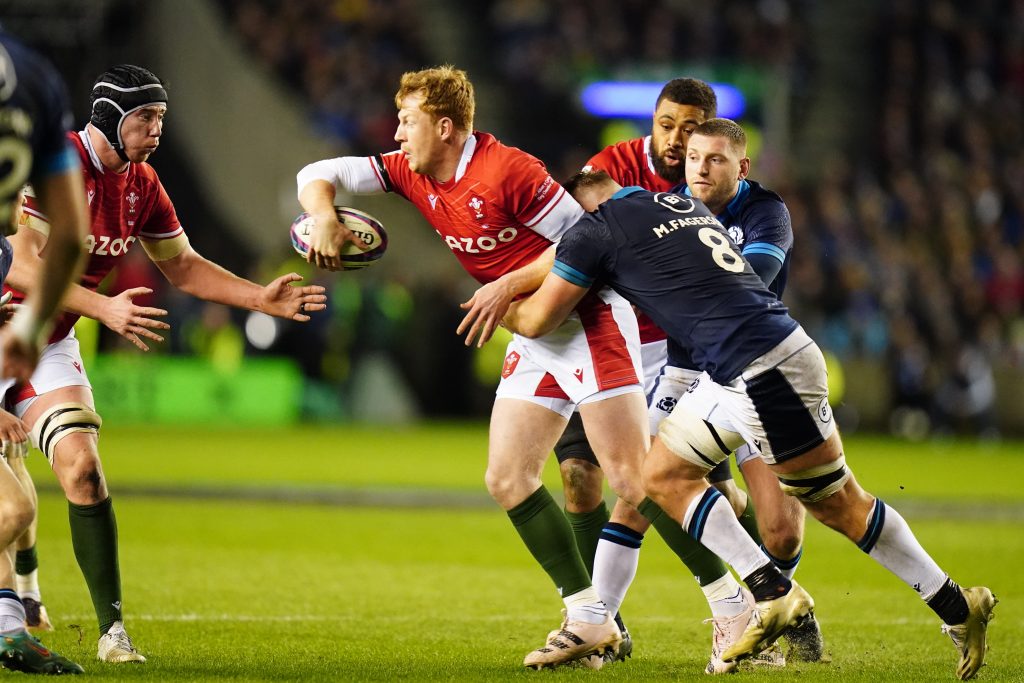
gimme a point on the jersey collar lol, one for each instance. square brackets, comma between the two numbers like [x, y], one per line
[467, 156]
[648, 156]
[83, 135]
[626, 191]
[734, 204]
[93, 156]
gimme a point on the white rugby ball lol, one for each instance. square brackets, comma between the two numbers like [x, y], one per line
[365, 226]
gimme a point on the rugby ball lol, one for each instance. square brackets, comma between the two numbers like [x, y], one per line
[365, 226]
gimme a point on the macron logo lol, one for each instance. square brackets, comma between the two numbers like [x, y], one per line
[579, 373]
[432, 198]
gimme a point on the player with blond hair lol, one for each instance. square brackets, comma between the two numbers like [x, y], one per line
[499, 211]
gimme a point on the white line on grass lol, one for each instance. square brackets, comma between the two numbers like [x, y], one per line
[397, 619]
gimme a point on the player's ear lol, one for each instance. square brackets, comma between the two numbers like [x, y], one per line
[744, 167]
[445, 127]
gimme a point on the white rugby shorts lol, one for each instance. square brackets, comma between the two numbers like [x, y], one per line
[670, 387]
[653, 355]
[593, 355]
[778, 404]
[60, 365]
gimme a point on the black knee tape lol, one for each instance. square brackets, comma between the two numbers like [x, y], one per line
[720, 472]
[574, 445]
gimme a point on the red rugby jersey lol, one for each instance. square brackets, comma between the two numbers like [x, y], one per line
[499, 212]
[629, 163]
[122, 208]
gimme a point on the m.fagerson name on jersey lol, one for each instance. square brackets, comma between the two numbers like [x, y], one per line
[676, 223]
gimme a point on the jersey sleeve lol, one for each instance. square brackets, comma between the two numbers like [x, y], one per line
[584, 253]
[536, 200]
[161, 235]
[355, 175]
[767, 229]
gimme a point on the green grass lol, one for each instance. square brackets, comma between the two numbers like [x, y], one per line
[223, 589]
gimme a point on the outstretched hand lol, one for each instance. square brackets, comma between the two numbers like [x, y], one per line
[485, 310]
[282, 300]
[132, 321]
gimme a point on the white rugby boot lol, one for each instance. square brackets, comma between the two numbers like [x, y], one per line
[724, 632]
[575, 640]
[116, 647]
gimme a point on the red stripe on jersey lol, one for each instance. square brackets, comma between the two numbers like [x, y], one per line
[548, 388]
[613, 366]
[547, 209]
[162, 235]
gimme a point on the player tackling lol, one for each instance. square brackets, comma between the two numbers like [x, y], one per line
[763, 380]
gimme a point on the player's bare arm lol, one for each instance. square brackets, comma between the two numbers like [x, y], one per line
[62, 196]
[544, 310]
[119, 313]
[329, 235]
[489, 303]
[204, 279]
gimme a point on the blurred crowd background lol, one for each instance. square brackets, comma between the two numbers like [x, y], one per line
[894, 131]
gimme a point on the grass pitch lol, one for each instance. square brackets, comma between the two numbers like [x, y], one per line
[228, 576]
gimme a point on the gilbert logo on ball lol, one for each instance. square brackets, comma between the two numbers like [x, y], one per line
[365, 226]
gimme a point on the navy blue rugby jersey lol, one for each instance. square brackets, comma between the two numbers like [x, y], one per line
[759, 223]
[34, 117]
[668, 255]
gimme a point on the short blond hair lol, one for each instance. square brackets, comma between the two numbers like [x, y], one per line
[446, 92]
[723, 128]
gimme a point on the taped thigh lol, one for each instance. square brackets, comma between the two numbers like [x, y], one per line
[696, 440]
[61, 420]
[816, 483]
